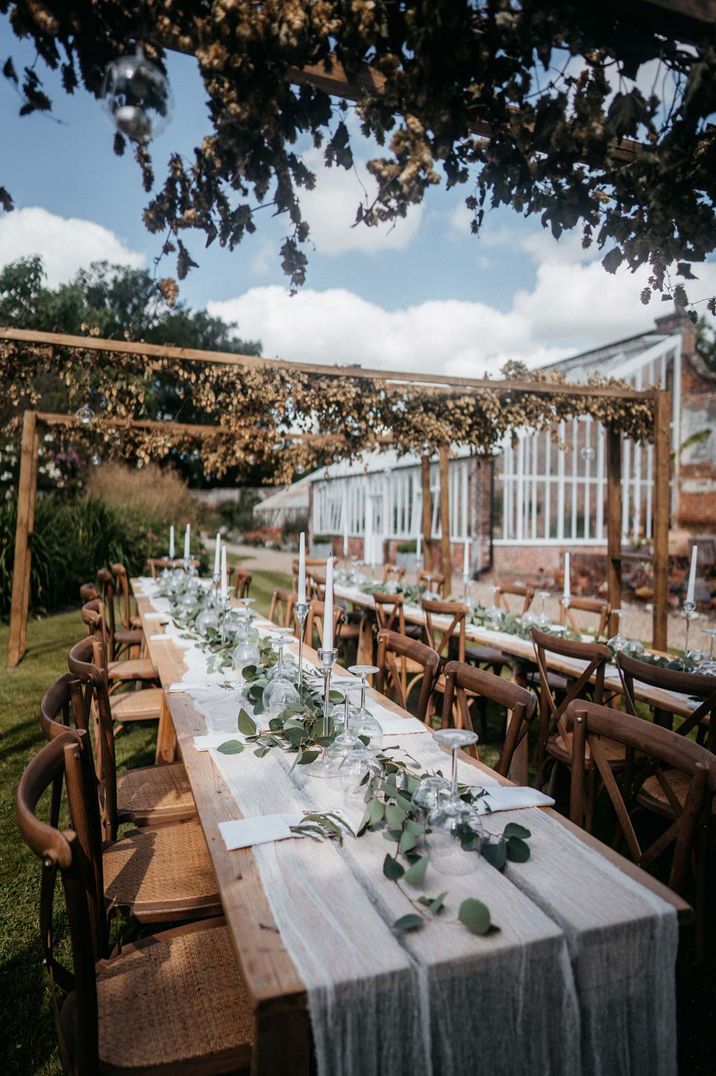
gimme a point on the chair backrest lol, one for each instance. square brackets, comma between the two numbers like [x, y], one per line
[393, 571]
[435, 580]
[650, 751]
[108, 595]
[389, 612]
[313, 628]
[317, 581]
[441, 637]
[93, 617]
[553, 706]
[76, 854]
[402, 663]
[311, 562]
[522, 591]
[87, 665]
[121, 583]
[158, 564]
[88, 592]
[703, 688]
[463, 683]
[599, 606]
[242, 583]
[282, 603]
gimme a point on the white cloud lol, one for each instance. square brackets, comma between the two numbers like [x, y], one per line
[330, 209]
[573, 305]
[65, 244]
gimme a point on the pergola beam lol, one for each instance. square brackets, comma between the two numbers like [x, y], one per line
[227, 358]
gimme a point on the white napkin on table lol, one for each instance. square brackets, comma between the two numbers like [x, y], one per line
[509, 798]
[263, 829]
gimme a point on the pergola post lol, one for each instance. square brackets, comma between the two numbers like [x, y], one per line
[26, 496]
[427, 522]
[662, 506]
[445, 519]
[614, 521]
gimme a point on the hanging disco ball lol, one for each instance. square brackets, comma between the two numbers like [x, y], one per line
[137, 97]
[96, 460]
[587, 453]
[85, 415]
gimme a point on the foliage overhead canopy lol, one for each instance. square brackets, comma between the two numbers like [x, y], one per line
[527, 103]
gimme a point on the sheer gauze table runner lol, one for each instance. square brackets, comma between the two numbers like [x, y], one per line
[579, 978]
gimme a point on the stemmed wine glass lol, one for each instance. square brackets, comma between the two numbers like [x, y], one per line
[543, 615]
[618, 641]
[363, 723]
[708, 666]
[279, 691]
[450, 816]
[347, 760]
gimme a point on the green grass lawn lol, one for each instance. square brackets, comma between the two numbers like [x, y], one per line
[27, 1044]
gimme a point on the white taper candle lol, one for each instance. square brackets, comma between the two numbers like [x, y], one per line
[302, 569]
[187, 542]
[328, 607]
[466, 559]
[691, 590]
[224, 574]
[567, 579]
[217, 554]
[171, 542]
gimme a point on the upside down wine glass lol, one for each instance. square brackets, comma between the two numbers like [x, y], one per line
[279, 691]
[347, 760]
[450, 815]
[543, 616]
[708, 666]
[363, 723]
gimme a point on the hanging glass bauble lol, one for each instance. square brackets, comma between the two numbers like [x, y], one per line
[85, 415]
[137, 97]
[587, 453]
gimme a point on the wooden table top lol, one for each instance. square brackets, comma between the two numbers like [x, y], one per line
[278, 995]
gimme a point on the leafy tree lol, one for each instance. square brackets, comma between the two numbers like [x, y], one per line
[545, 105]
[706, 343]
[118, 302]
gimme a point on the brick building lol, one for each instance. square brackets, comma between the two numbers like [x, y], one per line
[545, 492]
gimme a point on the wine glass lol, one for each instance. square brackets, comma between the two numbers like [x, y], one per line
[617, 642]
[363, 723]
[279, 692]
[347, 760]
[543, 615]
[707, 667]
[426, 794]
[451, 817]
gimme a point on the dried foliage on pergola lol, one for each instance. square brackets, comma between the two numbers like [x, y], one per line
[295, 414]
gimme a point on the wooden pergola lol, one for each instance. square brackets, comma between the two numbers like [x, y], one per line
[660, 400]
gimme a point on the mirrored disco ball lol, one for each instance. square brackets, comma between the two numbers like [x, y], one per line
[137, 97]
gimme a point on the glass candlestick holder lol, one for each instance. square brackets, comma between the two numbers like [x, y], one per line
[689, 609]
[300, 611]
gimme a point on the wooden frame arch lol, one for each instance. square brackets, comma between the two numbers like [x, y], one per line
[660, 400]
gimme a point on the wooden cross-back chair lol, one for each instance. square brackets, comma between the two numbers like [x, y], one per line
[157, 565]
[147, 795]
[393, 573]
[554, 743]
[316, 579]
[313, 628]
[651, 753]
[133, 670]
[130, 618]
[390, 615]
[311, 562]
[155, 874]
[120, 640]
[435, 580]
[447, 639]
[522, 591]
[402, 664]
[88, 593]
[119, 1014]
[702, 719]
[282, 606]
[600, 607]
[466, 686]
[242, 582]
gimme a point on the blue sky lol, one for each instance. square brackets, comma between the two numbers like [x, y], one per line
[427, 295]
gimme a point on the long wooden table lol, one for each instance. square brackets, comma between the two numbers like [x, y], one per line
[277, 993]
[521, 649]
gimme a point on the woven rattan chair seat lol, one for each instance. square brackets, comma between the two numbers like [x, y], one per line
[173, 1003]
[151, 794]
[134, 669]
[557, 748]
[652, 796]
[143, 705]
[162, 874]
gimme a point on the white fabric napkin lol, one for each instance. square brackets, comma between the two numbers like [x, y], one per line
[508, 798]
[393, 724]
[263, 829]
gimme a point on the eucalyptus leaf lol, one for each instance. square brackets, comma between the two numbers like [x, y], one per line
[249, 672]
[495, 852]
[514, 829]
[376, 811]
[518, 851]
[261, 751]
[437, 905]
[408, 841]
[393, 835]
[475, 916]
[412, 921]
[394, 816]
[231, 747]
[247, 725]
[307, 757]
[415, 874]
[392, 869]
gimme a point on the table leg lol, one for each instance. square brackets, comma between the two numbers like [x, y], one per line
[282, 1041]
[166, 736]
